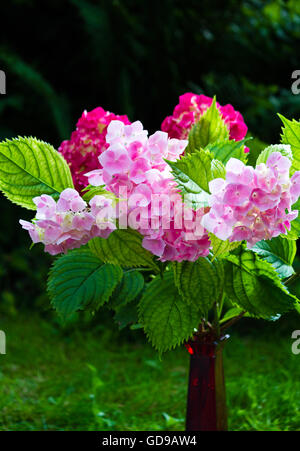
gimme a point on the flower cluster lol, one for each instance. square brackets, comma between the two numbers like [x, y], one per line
[253, 204]
[70, 222]
[190, 109]
[87, 142]
[134, 169]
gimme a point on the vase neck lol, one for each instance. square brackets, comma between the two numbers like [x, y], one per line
[206, 407]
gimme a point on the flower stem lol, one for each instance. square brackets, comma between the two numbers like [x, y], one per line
[232, 321]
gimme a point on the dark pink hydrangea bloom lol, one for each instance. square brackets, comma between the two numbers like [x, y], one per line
[87, 142]
[190, 109]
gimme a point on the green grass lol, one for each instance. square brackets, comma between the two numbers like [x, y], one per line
[100, 380]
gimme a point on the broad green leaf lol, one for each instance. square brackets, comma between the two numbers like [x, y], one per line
[199, 282]
[254, 285]
[220, 247]
[79, 279]
[167, 319]
[126, 315]
[29, 168]
[210, 128]
[284, 149]
[128, 289]
[280, 253]
[192, 174]
[124, 248]
[224, 150]
[291, 135]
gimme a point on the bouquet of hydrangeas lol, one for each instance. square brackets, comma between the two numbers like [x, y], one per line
[174, 231]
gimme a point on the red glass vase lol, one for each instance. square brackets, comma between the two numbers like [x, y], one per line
[206, 403]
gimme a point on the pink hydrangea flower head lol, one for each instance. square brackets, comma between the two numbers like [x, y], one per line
[155, 208]
[70, 222]
[253, 204]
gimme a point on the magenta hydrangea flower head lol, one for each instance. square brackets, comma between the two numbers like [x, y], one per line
[189, 110]
[253, 204]
[87, 142]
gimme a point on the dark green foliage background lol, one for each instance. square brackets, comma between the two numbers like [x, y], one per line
[134, 57]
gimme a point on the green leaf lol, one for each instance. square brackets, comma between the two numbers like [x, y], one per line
[221, 248]
[280, 253]
[126, 314]
[284, 149]
[291, 135]
[192, 174]
[294, 233]
[29, 168]
[231, 313]
[124, 248]
[79, 279]
[217, 169]
[254, 285]
[226, 149]
[128, 289]
[167, 319]
[210, 128]
[92, 191]
[236, 311]
[199, 282]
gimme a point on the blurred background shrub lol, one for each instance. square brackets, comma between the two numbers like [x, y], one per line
[134, 58]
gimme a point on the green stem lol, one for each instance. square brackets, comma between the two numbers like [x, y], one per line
[138, 269]
[221, 303]
[232, 321]
[216, 322]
